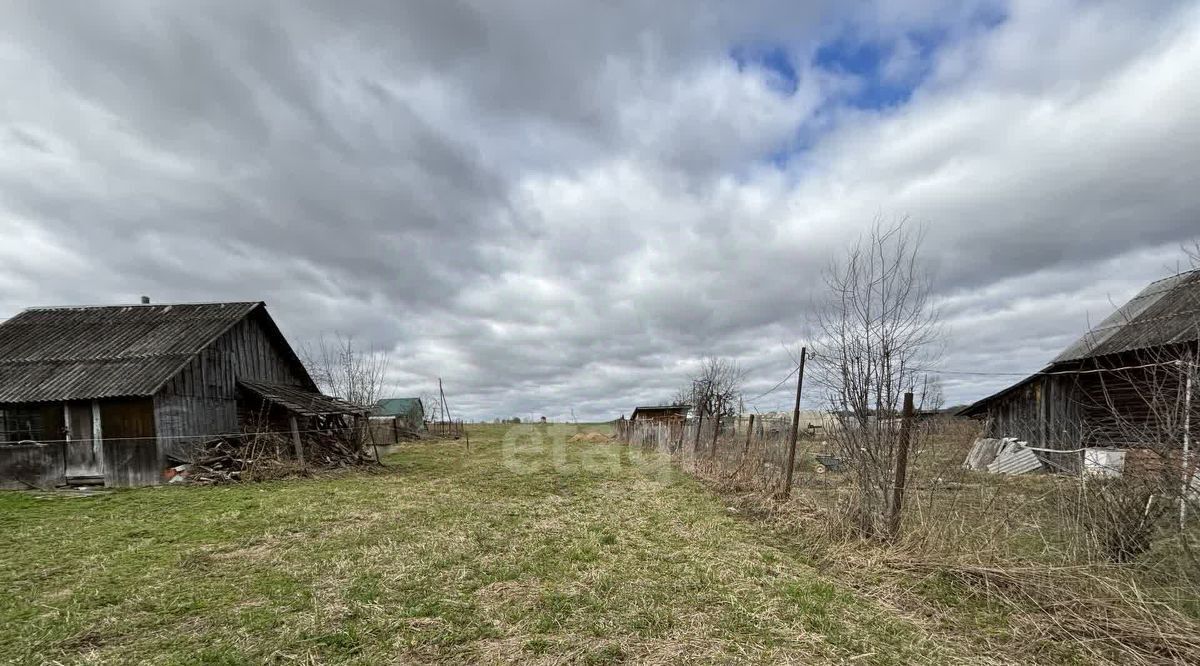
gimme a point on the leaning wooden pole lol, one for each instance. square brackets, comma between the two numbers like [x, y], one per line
[749, 432]
[296, 440]
[445, 405]
[791, 460]
[900, 477]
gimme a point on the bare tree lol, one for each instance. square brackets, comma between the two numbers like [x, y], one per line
[715, 389]
[876, 331]
[432, 405]
[343, 369]
[1193, 253]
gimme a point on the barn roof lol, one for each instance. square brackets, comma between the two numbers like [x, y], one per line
[1166, 312]
[301, 401]
[680, 409]
[397, 406]
[81, 353]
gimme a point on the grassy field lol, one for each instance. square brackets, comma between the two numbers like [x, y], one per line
[529, 548]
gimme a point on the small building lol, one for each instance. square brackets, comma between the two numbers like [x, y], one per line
[660, 413]
[407, 413]
[116, 394]
[1123, 385]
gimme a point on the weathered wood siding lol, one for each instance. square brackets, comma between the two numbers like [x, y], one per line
[1127, 402]
[202, 399]
[27, 466]
[1045, 413]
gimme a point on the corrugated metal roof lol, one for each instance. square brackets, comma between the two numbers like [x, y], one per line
[1015, 460]
[1164, 313]
[1167, 312]
[300, 400]
[83, 353]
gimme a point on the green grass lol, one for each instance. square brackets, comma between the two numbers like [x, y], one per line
[529, 548]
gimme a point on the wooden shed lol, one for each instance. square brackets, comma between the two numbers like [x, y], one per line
[660, 413]
[406, 413]
[1128, 383]
[116, 394]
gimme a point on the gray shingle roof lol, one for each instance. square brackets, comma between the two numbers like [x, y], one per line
[1164, 313]
[300, 400]
[80, 353]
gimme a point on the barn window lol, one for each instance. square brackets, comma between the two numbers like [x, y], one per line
[20, 423]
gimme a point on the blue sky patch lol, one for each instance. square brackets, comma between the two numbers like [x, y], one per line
[868, 63]
[775, 60]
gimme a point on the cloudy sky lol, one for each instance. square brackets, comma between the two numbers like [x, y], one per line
[562, 205]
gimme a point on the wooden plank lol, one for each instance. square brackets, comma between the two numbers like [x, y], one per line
[296, 439]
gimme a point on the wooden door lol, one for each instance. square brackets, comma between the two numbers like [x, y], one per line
[130, 448]
[84, 455]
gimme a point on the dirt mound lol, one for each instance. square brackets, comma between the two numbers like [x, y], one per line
[591, 438]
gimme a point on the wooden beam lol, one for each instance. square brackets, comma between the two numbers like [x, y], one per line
[98, 440]
[296, 440]
[791, 461]
[900, 477]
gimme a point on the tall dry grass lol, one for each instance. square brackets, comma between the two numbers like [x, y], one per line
[1033, 553]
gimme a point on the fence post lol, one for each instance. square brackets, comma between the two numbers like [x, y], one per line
[712, 450]
[898, 481]
[749, 432]
[791, 460]
[1187, 440]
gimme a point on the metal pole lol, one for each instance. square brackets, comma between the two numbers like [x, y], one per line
[791, 461]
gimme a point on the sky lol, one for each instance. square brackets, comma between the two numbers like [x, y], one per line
[560, 207]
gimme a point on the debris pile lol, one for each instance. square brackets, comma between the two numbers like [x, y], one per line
[1002, 456]
[591, 438]
[264, 456]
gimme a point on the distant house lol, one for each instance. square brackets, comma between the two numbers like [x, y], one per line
[114, 395]
[1124, 384]
[409, 412]
[660, 413]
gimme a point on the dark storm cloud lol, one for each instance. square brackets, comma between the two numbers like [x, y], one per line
[562, 205]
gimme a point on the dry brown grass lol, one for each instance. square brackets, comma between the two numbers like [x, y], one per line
[994, 561]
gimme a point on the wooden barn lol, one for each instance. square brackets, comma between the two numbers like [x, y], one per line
[406, 413]
[660, 413]
[1128, 383]
[114, 395]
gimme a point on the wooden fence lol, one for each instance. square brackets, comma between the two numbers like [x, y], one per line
[758, 451]
[452, 429]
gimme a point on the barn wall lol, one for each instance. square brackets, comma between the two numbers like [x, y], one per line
[27, 466]
[202, 400]
[1046, 413]
[1123, 406]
